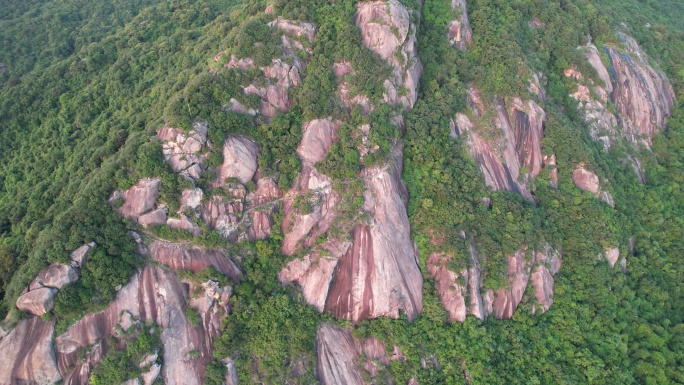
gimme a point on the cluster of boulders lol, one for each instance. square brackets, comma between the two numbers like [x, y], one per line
[39, 296]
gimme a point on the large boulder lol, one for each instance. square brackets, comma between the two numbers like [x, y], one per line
[239, 160]
[140, 198]
[56, 276]
[317, 137]
[38, 301]
[184, 150]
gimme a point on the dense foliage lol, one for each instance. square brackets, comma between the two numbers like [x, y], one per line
[85, 85]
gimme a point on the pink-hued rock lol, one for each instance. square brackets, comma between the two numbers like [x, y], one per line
[183, 151]
[303, 229]
[79, 257]
[191, 198]
[263, 204]
[183, 223]
[295, 28]
[56, 275]
[460, 33]
[317, 137]
[222, 214]
[38, 301]
[542, 280]
[27, 354]
[450, 292]
[379, 273]
[140, 198]
[336, 351]
[186, 257]
[153, 218]
[507, 299]
[642, 95]
[385, 27]
[512, 158]
[153, 295]
[242, 63]
[612, 255]
[585, 179]
[239, 160]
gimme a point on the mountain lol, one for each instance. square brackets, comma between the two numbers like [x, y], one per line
[342, 192]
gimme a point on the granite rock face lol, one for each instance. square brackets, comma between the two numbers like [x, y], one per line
[370, 269]
[512, 156]
[239, 160]
[460, 34]
[27, 354]
[463, 293]
[153, 295]
[139, 199]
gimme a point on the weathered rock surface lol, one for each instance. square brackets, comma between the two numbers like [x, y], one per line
[336, 351]
[55, 276]
[79, 257]
[38, 301]
[183, 223]
[317, 137]
[153, 295]
[513, 156]
[153, 218]
[186, 257]
[140, 198]
[239, 160]
[386, 29]
[612, 255]
[642, 95]
[27, 354]
[462, 293]
[185, 152]
[587, 180]
[263, 205]
[376, 274]
[460, 34]
[451, 292]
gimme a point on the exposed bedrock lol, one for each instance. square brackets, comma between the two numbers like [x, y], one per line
[463, 293]
[153, 295]
[181, 256]
[511, 156]
[642, 95]
[341, 357]
[460, 33]
[27, 354]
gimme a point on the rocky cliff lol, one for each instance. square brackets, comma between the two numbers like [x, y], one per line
[373, 272]
[507, 148]
[463, 292]
[641, 95]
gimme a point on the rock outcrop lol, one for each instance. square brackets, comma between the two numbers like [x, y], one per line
[153, 295]
[511, 155]
[186, 257]
[139, 199]
[387, 30]
[462, 293]
[239, 160]
[336, 351]
[375, 272]
[460, 34]
[185, 152]
[39, 297]
[587, 180]
[642, 96]
[27, 354]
